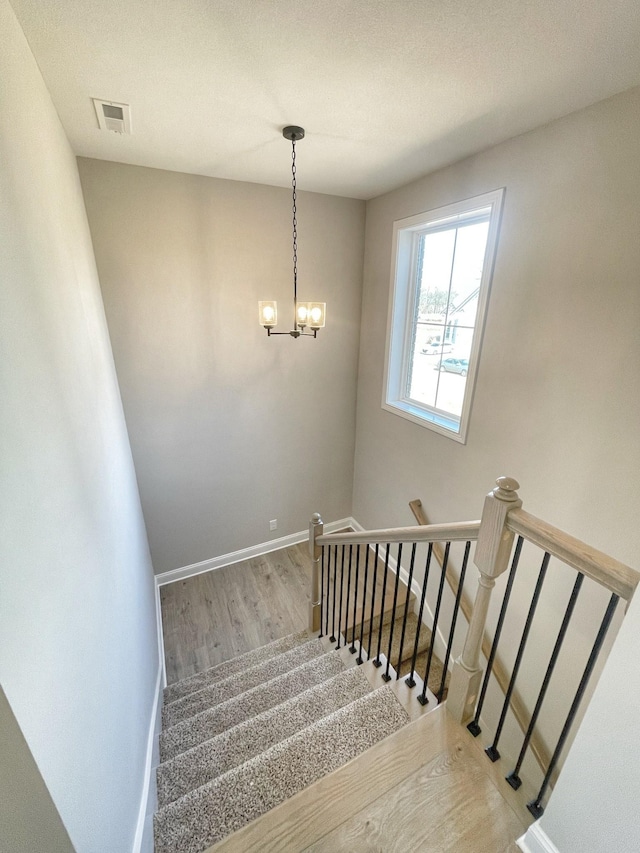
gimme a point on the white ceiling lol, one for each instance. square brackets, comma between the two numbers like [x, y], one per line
[387, 90]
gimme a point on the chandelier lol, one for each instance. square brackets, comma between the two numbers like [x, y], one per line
[306, 315]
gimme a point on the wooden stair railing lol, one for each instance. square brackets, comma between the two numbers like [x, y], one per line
[503, 519]
[520, 711]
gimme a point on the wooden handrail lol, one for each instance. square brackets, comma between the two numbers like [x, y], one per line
[457, 531]
[610, 573]
[520, 711]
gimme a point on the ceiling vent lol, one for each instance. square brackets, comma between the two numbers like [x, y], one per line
[113, 116]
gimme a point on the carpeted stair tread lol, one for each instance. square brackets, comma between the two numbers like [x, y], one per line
[221, 691]
[232, 667]
[205, 725]
[409, 640]
[233, 747]
[213, 811]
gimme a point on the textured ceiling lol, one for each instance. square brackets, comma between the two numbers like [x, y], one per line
[387, 90]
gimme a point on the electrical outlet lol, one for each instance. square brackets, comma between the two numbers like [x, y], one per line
[273, 524]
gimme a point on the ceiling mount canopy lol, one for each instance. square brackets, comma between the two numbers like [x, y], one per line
[309, 315]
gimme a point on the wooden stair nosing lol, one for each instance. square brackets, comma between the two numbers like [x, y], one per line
[310, 814]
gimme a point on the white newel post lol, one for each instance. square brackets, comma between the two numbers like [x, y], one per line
[315, 529]
[491, 557]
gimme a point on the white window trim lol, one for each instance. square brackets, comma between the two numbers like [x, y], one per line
[400, 319]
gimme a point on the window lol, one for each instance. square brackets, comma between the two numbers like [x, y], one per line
[443, 262]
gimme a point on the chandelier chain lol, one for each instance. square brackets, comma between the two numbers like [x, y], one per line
[295, 221]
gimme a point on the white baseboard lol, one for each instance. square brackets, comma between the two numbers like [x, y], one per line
[160, 631]
[248, 553]
[148, 769]
[536, 840]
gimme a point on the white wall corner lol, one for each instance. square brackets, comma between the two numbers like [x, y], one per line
[148, 788]
[536, 840]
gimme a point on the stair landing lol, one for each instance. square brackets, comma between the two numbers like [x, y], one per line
[423, 788]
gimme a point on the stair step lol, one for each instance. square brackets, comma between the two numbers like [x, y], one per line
[205, 725]
[232, 667]
[221, 691]
[215, 810]
[409, 640]
[198, 765]
[415, 790]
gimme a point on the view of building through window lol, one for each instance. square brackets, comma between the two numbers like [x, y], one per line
[449, 272]
[440, 279]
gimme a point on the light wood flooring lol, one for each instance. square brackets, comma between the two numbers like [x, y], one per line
[424, 788]
[217, 615]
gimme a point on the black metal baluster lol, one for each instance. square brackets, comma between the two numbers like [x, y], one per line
[322, 568]
[513, 778]
[406, 608]
[364, 602]
[346, 604]
[492, 751]
[341, 593]
[377, 662]
[352, 647]
[326, 609]
[373, 600]
[410, 681]
[386, 675]
[335, 578]
[454, 619]
[535, 807]
[422, 698]
[474, 726]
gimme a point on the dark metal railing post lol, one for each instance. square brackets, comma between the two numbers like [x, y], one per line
[406, 608]
[392, 622]
[535, 807]
[410, 681]
[346, 604]
[341, 594]
[474, 725]
[352, 647]
[377, 662]
[322, 570]
[335, 580]
[513, 778]
[422, 698]
[454, 621]
[492, 751]
[364, 602]
[373, 599]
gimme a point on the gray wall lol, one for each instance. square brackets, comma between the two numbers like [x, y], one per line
[29, 819]
[228, 428]
[557, 401]
[78, 650]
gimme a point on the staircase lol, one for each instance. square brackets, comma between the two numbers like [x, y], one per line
[240, 738]
[318, 742]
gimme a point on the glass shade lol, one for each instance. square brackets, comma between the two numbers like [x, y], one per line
[302, 314]
[268, 313]
[317, 314]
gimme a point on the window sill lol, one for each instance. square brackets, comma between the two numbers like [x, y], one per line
[448, 426]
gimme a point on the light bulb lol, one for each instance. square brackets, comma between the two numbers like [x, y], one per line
[317, 314]
[268, 314]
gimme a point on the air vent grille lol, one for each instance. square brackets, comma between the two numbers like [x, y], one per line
[113, 116]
